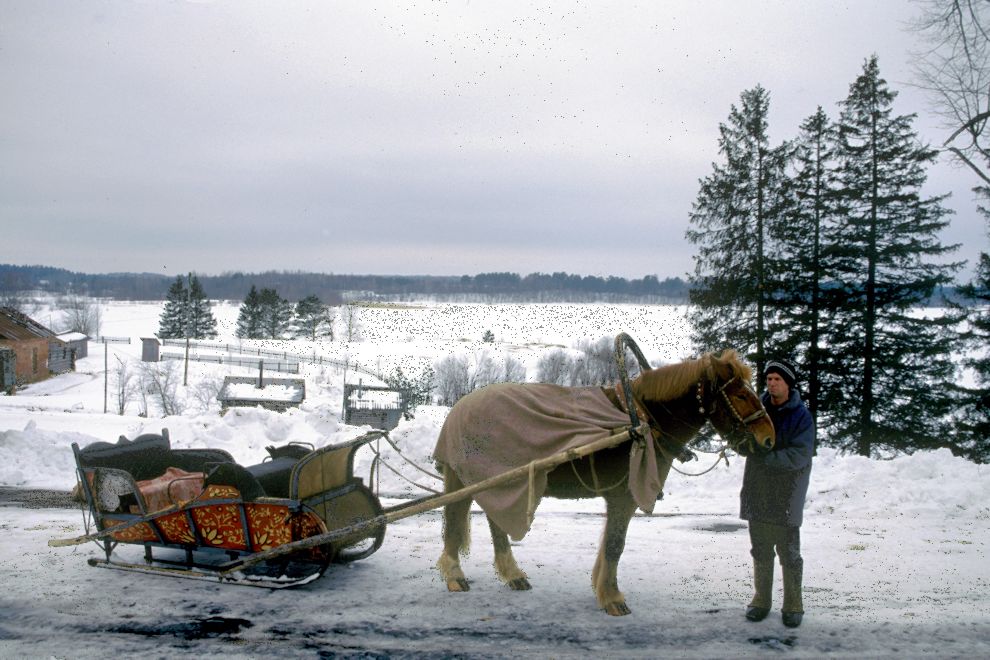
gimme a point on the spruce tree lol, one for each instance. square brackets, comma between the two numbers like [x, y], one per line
[276, 314]
[313, 319]
[798, 271]
[735, 207]
[249, 317]
[202, 323]
[973, 425]
[175, 316]
[892, 361]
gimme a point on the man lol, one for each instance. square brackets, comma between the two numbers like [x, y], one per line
[773, 492]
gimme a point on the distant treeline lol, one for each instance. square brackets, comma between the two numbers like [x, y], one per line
[334, 289]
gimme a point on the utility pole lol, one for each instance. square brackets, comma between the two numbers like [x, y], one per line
[106, 375]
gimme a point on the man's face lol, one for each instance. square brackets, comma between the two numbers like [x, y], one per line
[778, 389]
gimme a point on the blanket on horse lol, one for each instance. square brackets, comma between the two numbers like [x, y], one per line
[508, 425]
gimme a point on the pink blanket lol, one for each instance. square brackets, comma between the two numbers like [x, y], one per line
[173, 487]
[508, 425]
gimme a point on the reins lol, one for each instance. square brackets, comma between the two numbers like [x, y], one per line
[378, 460]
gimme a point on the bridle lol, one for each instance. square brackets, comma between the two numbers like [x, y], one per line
[742, 423]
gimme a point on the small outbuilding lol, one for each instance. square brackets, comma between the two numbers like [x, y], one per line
[150, 349]
[377, 406]
[38, 352]
[76, 341]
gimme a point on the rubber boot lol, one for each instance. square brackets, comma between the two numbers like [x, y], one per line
[759, 607]
[793, 609]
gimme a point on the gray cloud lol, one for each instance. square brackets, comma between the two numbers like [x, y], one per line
[425, 138]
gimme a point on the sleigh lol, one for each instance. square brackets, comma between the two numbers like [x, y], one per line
[197, 513]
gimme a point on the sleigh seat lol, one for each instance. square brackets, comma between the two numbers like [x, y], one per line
[146, 474]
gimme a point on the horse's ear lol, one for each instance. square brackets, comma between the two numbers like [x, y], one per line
[734, 365]
[709, 364]
[722, 366]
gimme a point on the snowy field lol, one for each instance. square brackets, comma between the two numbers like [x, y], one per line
[895, 551]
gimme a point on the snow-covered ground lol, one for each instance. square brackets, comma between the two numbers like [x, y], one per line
[895, 551]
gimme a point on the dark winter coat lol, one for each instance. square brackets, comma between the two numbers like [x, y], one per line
[775, 484]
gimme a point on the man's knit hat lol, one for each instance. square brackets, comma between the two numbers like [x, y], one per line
[784, 368]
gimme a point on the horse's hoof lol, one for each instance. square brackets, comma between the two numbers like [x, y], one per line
[520, 584]
[458, 584]
[617, 609]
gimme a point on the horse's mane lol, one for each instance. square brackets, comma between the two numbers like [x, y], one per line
[673, 381]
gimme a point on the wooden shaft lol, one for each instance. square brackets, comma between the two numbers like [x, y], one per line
[436, 501]
[119, 527]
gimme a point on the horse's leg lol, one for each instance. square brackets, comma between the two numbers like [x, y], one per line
[604, 577]
[456, 535]
[505, 563]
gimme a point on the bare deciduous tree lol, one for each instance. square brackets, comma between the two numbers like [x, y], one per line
[555, 367]
[486, 370]
[205, 392]
[161, 380]
[124, 385]
[954, 69]
[350, 317]
[81, 314]
[452, 376]
[597, 365]
[514, 371]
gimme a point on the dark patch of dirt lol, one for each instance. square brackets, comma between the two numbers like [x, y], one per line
[36, 498]
[213, 626]
[722, 527]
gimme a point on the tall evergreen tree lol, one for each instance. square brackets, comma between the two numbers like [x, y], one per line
[175, 316]
[973, 426]
[313, 319]
[187, 310]
[894, 363]
[799, 268]
[276, 314]
[202, 323]
[735, 207]
[249, 317]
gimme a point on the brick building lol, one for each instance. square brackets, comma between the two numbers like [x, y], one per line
[38, 353]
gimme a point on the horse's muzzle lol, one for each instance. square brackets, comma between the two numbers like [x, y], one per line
[760, 448]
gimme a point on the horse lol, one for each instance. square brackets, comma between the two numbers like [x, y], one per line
[675, 400]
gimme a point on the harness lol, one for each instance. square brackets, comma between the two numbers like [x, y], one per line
[632, 406]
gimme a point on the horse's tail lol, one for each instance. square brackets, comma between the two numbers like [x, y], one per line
[456, 519]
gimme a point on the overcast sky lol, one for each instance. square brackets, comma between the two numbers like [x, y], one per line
[406, 138]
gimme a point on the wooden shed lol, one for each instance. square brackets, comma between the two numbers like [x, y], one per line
[77, 342]
[38, 352]
[377, 406]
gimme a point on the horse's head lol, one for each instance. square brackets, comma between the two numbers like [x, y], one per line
[732, 406]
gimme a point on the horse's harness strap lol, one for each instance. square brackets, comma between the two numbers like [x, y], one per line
[644, 414]
[595, 487]
[641, 412]
[745, 421]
